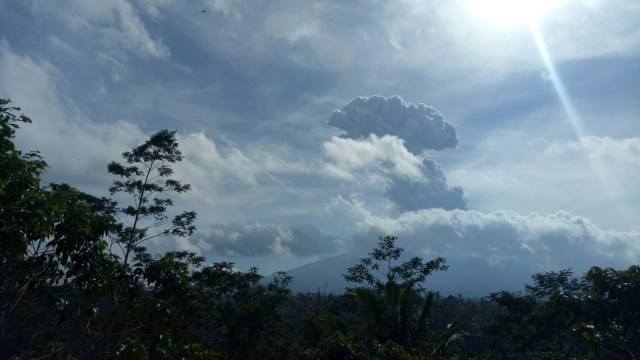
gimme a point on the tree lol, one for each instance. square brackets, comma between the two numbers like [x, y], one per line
[148, 173]
[561, 316]
[20, 190]
[514, 330]
[52, 256]
[392, 295]
[245, 318]
[540, 322]
[611, 316]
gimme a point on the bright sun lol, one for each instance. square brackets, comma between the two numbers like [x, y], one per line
[508, 12]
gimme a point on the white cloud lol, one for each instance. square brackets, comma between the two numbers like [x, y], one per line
[292, 24]
[156, 9]
[594, 177]
[76, 149]
[371, 157]
[209, 168]
[225, 6]
[411, 181]
[593, 28]
[500, 239]
[202, 158]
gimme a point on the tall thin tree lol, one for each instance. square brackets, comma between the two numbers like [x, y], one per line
[146, 174]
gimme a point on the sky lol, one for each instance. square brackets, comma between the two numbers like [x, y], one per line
[471, 130]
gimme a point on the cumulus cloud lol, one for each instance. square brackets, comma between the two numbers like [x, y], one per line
[76, 149]
[486, 252]
[412, 182]
[210, 167]
[373, 155]
[421, 127]
[204, 162]
[498, 250]
[410, 195]
[594, 176]
[501, 239]
[260, 239]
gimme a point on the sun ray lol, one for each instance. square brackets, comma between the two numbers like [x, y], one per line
[599, 167]
[558, 86]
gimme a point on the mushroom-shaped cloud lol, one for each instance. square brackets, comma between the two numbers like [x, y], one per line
[422, 127]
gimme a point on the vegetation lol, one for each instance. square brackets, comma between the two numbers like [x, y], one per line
[147, 174]
[562, 317]
[397, 305]
[77, 282]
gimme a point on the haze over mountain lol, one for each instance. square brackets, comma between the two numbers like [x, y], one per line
[325, 276]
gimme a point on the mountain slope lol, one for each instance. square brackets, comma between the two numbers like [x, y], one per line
[471, 277]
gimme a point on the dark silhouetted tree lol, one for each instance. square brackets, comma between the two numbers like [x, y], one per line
[393, 295]
[53, 259]
[146, 175]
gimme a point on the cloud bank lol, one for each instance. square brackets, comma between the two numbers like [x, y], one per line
[486, 252]
[260, 239]
[500, 239]
[594, 176]
[421, 127]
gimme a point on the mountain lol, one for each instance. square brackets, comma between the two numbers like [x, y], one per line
[470, 277]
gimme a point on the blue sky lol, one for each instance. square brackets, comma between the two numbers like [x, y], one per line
[251, 86]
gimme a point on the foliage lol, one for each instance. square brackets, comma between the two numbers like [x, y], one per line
[147, 173]
[611, 315]
[52, 253]
[23, 202]
[337, 346]
[398, 306]
[245, 318]
[561, 316]
[411, 273]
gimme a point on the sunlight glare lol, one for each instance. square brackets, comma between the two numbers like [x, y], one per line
[556, 81]
[509, 12]
[598, 166]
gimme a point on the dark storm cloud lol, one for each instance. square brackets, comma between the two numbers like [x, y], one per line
[310, 240]
[421, 127]
[411, 195]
